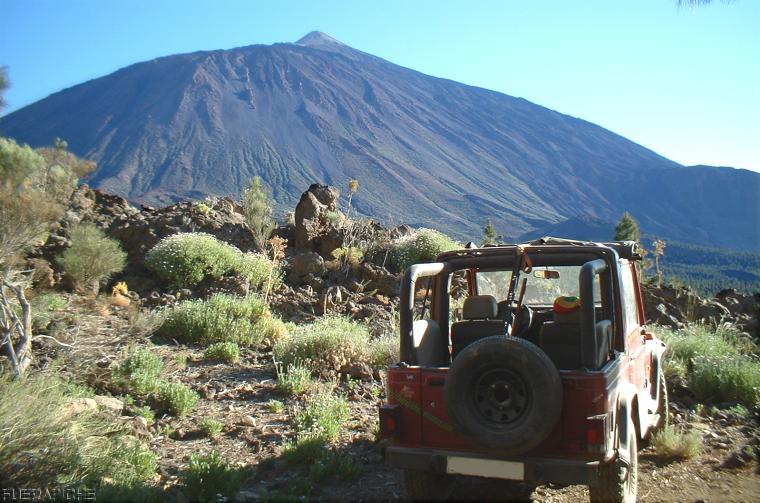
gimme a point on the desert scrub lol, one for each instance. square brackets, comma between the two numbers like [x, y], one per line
[675, 443]
[330, 343]
[422, 245]
[222, 351]
[92, 257]
[719, 364]
[184, 260]
[295, 379]
[209, 474]
[43, 307]
[177, 398]
[139, 371]
[44, 442]
[275, 406]
[221, 318]
[211, 427]
[322, 416]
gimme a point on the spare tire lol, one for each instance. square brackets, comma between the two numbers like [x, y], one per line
[503, 394]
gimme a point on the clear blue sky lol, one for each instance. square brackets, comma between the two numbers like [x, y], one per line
[684, 82]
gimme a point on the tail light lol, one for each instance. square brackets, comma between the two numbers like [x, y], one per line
[596, 433]
[390, 420]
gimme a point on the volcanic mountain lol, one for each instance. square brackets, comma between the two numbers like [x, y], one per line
[425, 150]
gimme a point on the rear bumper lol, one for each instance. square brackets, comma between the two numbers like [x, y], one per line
[533, 470]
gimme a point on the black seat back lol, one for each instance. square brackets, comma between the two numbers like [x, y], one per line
[480, 320]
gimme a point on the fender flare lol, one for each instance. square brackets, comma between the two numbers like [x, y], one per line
[624, 420]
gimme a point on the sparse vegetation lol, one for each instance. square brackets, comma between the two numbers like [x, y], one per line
[720, 364]
[275, 406]
[44, 442]
[422, 245]
[139, 371]
[221, 318]
[331, 342]
[92, 257]
[257, 207]
[184, 260]
[177, 398]
[211, 427]
[322, 416]
[295, 379]
[209, 474]
[675, 443]
[222, 351]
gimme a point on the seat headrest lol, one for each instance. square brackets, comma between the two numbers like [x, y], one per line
[479, 307]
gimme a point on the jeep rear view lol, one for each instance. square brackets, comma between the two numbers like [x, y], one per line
[528, 363]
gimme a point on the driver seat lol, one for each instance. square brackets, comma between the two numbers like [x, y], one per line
[481, 320]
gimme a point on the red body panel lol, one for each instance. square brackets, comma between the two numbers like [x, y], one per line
[420, 392]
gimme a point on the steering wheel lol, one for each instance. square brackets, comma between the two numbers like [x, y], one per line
[526, 317]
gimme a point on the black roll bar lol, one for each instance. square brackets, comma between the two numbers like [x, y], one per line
[406, 306]
[586, 277]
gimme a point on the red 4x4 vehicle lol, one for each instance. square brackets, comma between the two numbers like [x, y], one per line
[545, 374]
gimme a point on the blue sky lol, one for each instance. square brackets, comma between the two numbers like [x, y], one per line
[682, 81]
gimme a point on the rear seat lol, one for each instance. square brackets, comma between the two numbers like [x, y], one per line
[480, 320]
[561, 339]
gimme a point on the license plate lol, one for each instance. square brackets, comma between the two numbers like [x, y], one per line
[493, 468]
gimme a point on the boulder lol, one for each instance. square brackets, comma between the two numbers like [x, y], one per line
[307, 263]
[317, 220]
[109, 404]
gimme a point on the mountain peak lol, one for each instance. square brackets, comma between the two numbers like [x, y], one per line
[319, 39]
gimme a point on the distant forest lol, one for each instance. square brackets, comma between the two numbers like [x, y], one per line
[707, 270]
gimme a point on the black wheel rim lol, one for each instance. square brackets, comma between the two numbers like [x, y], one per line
[501, 397]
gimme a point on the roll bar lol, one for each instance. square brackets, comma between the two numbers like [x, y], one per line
[586, 277]
[406, 305]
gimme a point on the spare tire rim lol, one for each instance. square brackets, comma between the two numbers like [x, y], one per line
[501, 396]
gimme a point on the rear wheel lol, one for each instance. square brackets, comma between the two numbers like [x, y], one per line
[662, 403]
[618, 481]
[428, 486]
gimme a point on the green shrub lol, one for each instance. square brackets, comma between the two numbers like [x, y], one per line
[733, 379]
[331, 342]
[322, 416]
[211, 427]
[222, 351]
[43, 306]
[422, 245]
[275, 406]
[186, 259]
[306, 448]
[220, 318]
[295, 379]
[675, 443]
[719, 364]
[144, 411]
[209, 475]
[92, 257]
[139, 370]
[177, 397]
[44, 443]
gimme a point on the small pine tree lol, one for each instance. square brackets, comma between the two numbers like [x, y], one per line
[257, 207]
[627, 229]
[490, 237]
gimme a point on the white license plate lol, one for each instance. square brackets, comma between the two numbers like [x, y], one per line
[493, 468]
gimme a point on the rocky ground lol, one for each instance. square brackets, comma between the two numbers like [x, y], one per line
[93, 331]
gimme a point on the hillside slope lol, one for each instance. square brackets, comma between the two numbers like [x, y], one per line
[427, 151]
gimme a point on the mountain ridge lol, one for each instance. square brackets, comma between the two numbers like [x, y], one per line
[426, 150]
